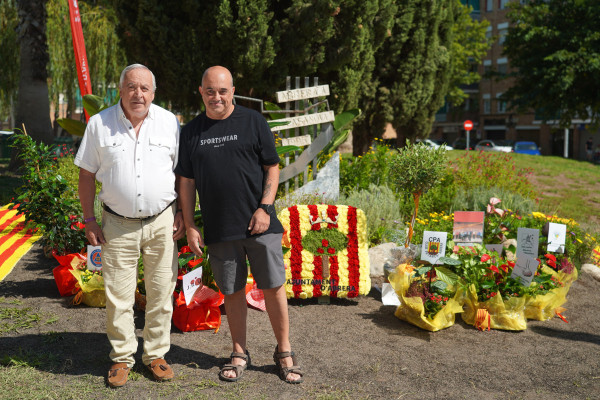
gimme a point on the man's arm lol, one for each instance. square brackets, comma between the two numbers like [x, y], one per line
[187, 201]
[87, 192]
[178, 227]
[261, 221]
[270, 183]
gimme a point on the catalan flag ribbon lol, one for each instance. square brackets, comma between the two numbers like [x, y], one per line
[16, 238]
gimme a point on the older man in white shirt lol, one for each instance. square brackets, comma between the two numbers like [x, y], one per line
[132, 148]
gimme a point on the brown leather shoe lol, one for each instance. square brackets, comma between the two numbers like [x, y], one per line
[161, 371]
[118, 374]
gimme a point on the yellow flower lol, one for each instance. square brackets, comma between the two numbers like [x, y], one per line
[538, 215]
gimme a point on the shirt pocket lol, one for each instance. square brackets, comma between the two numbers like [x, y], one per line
[161, 146]
[112, 149]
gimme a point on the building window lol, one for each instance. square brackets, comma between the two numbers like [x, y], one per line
[502, 4]
[487, 68]
[487, 104]
[488, 33]
[488, 5]
[502, 66]
[501, 104]
[502, 32]
[472, 3]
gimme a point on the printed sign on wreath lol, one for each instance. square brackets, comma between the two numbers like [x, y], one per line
[468, 227]
[434, 246]
[557, 234]
[192, 281]
[94, 258]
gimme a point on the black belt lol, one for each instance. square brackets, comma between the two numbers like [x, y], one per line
[110, 211]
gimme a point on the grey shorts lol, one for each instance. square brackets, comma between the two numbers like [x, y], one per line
[228, 262]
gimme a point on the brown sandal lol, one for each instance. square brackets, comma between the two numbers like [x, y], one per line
[239, 369]
[285, 371]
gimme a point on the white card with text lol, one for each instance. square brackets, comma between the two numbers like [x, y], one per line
[528, 242]
[434, 246]
[525, 269]
[192, 281]
[94, 258]
[557, 234]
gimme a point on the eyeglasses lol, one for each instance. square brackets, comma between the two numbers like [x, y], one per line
[212, 92]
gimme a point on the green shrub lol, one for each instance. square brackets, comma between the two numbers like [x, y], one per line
[47, 199]
[433, 221]
[381, 208]
[357, 173]
[70, 172]
[478, 198]
[491, 169]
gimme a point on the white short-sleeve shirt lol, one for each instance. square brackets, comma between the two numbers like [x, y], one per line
[136, 173]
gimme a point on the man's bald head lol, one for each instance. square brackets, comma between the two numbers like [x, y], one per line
[217, 92]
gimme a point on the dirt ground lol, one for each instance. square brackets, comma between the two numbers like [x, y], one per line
[350, 349]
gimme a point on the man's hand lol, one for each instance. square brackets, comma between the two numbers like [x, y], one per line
[260, 222]
[195, 240]
[93, 233]
[178, 226]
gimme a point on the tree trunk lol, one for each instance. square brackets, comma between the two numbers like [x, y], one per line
[33, 107]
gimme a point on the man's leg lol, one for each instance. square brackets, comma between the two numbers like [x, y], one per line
[160, 275]
[237, 311]
[119, 258]
[276, 304]
[228, 262]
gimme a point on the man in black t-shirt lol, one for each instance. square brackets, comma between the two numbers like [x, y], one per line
[228, 155]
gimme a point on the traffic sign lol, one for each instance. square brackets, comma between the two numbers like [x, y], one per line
[468, 125]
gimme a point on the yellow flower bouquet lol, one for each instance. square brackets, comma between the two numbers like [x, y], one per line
[420, 303]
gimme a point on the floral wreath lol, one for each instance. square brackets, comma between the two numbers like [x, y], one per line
[328, 251]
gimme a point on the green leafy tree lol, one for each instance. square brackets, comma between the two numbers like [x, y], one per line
[469, 46]
[554, 46]
[178, 40]
[106, 57]
[336, 41]
[416, 168]
[361, 29]
[9, 54]
[420, 65]
[302, 30]
[425, 60]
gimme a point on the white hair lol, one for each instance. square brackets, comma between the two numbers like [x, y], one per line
[136, 66]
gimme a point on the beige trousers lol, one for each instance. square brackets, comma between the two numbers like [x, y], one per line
[125, 240]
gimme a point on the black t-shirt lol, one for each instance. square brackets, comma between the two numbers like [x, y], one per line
[226, 158]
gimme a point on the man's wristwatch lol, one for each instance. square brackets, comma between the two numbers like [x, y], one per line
[268, 208]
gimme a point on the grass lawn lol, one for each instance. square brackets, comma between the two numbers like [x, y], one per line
[567, 188]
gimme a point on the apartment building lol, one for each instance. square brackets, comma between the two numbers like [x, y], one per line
[492, 119]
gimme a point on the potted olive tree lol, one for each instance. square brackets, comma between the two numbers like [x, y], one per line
[416, 168]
